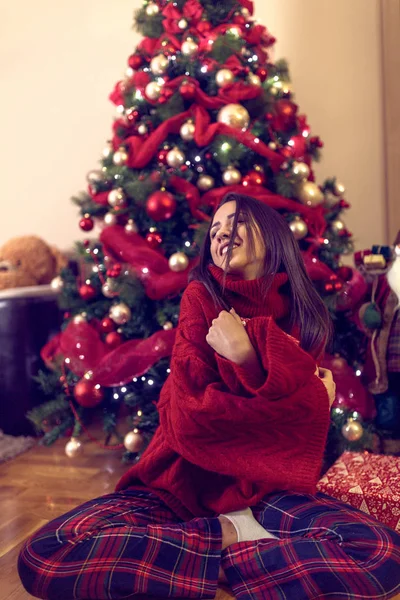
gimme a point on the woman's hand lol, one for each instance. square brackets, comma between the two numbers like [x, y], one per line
[228, 336]
[326, 377]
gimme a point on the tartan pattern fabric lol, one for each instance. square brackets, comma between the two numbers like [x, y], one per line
[393, 350]
[129, 544]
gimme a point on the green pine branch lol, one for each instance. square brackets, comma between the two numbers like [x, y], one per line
[151, 27]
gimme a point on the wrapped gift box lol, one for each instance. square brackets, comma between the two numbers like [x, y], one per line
[369, 482]
[28, 318]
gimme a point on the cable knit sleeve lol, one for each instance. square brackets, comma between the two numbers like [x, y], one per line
[213, 426]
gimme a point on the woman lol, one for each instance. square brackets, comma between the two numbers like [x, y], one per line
[226, 489]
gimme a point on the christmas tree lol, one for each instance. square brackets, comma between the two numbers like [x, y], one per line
[203, 110]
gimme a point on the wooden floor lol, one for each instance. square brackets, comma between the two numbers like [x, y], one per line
[41, 484]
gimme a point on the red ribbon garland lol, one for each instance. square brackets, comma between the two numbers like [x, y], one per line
[141, 153]
[133, 359]
[150, 266]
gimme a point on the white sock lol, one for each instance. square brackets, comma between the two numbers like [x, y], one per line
[247, 527]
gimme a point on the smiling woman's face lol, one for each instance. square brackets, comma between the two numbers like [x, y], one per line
[243, 262]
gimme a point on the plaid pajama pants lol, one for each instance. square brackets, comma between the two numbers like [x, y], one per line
[130, 544]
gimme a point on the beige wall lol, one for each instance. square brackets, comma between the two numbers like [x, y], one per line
[59, 61]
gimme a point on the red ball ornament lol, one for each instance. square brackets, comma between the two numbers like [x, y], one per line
[115, 270]
[86, 224]
[269, 116]
[88, 394]
[113, 339]
[107, 325]
[188, 91]
[298, 146]
[285, 115]
[162, 157]
[262, 73]
[316, 141]
[154, 240]
[132, 117]
[86, 243]
[135, 61]
[87, 292]
[161, 206]
[239, 20]
[67, 315]
[253, 178]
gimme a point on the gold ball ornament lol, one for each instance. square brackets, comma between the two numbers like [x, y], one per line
[159, 64]
[352, 430]
[143, 129]
[168, 326]
[131, 227]
[224, 77]
[337, 226]
[178, 262]
[152, 9]
[254, 79]
[120, 157]
[279, 86]
[187, 131]
[245, 12]
[120, 313]
[110, 219]
[107, 150]
[94, 176]
[300, 171]
[79, 319]
[309, 193]
[205, 183]
[189, 47]
[133, 441]
[116, 197]
[182, 24]
[175, 158]
[231, 176]
[234, 115]
[109, 288]
[153, 90]
[73, 448]
[299, 228]
[57, 284]
[339, 189]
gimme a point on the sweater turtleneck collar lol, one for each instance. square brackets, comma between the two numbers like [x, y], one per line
[247, 298]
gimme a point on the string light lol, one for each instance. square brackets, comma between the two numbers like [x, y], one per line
[116, 396]
[123, 390]
[150, 382]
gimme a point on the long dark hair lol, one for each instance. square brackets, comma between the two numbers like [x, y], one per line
[308, 311]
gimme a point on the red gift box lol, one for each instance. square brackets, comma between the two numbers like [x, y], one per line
[369, 482]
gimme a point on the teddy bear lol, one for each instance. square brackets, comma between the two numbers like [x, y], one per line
[27, 261]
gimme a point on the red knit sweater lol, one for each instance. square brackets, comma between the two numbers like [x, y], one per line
[226, 440]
